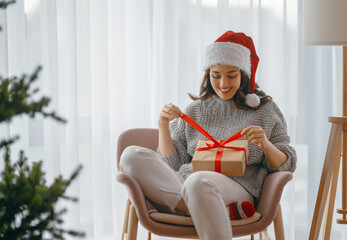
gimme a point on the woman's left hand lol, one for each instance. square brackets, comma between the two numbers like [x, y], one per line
[256, 135]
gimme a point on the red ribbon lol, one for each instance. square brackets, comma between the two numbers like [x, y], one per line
[220, 145]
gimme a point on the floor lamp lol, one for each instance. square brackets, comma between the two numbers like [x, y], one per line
[325, 23]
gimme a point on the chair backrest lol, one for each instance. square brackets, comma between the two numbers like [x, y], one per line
[144, 137]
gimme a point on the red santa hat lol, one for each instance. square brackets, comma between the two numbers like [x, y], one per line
[235, 49]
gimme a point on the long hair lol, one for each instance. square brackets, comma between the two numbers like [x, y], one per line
[239, 99]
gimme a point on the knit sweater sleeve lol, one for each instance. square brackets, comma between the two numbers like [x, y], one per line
[280, 139]
[178, 159]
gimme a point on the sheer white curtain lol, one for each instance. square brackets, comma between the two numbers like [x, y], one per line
[110, 65]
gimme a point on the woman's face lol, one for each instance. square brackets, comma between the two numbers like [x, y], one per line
[225, 80]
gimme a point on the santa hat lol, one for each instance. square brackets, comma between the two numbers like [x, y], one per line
[235, 49]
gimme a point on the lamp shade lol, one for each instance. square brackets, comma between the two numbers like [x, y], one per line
[325, 22]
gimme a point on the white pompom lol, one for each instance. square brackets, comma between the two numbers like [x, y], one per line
[252, 100]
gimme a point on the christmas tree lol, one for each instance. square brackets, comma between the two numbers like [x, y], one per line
[28, 206]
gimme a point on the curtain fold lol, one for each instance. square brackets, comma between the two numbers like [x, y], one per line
[111, 65]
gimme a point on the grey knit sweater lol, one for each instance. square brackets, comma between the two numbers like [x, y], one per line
[221, 119]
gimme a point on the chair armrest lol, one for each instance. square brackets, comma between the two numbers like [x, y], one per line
[271, 193]
[136, 195]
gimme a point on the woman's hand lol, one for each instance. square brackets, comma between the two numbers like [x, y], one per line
[168, 113]
[256, 135]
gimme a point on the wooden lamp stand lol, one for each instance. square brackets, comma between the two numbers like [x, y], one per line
[327, 187]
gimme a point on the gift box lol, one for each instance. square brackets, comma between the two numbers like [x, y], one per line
[229, 159]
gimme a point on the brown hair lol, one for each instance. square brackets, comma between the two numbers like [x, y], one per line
[206, 91]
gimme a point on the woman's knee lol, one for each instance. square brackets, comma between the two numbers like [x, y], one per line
[131, 158]
[199, 184]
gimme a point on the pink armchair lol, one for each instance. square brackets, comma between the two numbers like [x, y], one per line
[139, 209]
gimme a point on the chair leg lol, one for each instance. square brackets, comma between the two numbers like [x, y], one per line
[132, 224]
[149, 235]
[265, 235]
[252, 236]
[278, 224]
[126, 217]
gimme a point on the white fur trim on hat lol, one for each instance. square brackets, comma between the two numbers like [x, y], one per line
[228, 53]
[252, 100]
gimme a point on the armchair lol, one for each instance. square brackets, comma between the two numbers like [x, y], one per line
[139, 209]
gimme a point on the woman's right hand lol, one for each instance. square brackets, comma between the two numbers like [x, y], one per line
[168, 113]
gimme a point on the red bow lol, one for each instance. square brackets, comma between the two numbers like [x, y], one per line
[220, 145]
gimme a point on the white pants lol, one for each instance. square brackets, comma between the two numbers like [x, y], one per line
[205, 193]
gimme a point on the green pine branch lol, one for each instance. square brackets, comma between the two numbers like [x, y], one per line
[4, 4]
[17, 98]
[28, 205]
[4, 143]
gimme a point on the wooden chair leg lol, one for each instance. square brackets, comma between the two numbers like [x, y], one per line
[278, 224]
[252, 236]
[149, 235]
[126, 217]
[132, 224]
[265, 235]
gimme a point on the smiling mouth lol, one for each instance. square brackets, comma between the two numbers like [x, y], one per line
[225, 90]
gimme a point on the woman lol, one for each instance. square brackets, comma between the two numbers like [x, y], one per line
[229, 101]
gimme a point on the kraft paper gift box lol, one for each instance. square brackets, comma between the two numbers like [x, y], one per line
[232, 163]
